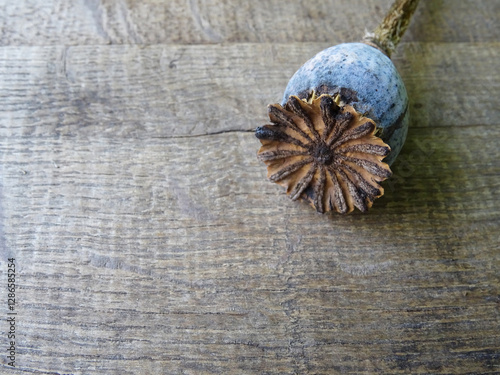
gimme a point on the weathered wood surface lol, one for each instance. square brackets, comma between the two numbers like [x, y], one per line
[148, 240]
[59, 22]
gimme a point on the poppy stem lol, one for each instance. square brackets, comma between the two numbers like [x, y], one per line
[390, 31]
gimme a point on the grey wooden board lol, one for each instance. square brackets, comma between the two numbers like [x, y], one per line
[212, 21]
[148, 240]
[140, 255]
[165, 91]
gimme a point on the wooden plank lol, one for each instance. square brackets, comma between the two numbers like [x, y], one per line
[148, 240]
[175, 255]
[212, 21]
[165, 91]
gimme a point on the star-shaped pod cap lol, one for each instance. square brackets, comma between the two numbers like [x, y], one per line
[325, 154]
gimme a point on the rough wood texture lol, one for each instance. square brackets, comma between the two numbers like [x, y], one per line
[148, 241]
[60, 22]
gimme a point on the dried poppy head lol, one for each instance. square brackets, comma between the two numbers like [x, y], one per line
[324, 153]
[321, 144]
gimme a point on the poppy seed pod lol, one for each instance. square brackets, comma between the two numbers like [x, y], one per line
[364, 78]
[342, 121]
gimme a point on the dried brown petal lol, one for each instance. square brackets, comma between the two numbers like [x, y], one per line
[325, 154]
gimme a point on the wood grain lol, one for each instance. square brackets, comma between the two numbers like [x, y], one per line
[165, 91]
[57, 22]
[140, 256]
[148, 240]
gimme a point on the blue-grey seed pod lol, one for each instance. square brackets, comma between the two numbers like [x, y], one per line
[366, 79]
[342, 121]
